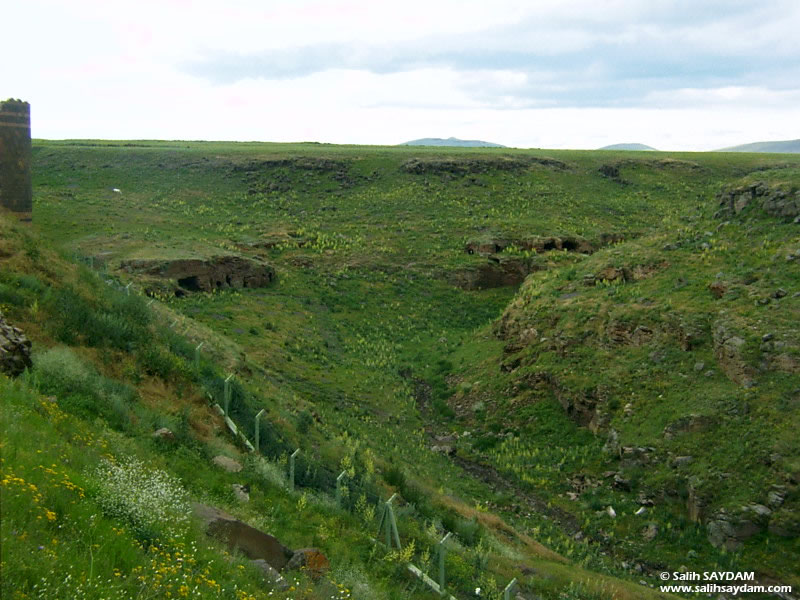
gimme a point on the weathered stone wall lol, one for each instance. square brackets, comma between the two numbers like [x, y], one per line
[16, 192]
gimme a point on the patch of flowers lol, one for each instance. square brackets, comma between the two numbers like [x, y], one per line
[151, 500]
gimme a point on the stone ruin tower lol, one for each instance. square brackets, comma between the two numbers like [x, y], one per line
[16, 191]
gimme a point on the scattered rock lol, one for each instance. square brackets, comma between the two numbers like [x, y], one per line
[776, 496]
[650, 532]
[611, 512]
[644, 500]
[718, 289]
[779, 293]
[444, 449]
[620, 483]
[15, 349]
[226, 463]
[164, 434]
[613, 274]
[689, 424]
[636, 456]
[699, 366]
[237, 535]
[680, 461]
[271, 575]
[242, 492]
[315, 562]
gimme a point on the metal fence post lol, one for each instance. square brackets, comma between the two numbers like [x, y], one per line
[509, 589]
[339, 487]
[197, 357]
[227, 394]
[441, 563]
[258, 429]
[291, 468]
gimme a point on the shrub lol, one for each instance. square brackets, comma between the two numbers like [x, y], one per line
[80, 389]
[61, 373]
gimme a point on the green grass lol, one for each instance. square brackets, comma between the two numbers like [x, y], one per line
[364, 318]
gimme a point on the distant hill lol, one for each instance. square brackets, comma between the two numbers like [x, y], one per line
[451, 141]
[784, 147]
[627, 147]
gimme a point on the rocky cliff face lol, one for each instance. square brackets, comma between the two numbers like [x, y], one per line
[196, 275]
[15, 349]
[775, 200]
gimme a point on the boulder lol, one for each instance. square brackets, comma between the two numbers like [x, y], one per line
[242, 492]
[15, 349]
[312, 560]
[164, 434]
[237, 535]
[270, 575]
[230, 465]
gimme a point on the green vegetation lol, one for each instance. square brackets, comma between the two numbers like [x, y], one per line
[387, 332]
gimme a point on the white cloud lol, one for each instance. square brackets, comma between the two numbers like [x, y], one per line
[576, 73]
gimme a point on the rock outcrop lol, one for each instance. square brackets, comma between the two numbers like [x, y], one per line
[197, 275]
[728, 350]
[498, 271]
[776, 201]
[15, 349]
[538, 244]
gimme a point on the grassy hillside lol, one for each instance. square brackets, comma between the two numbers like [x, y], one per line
[396, 323]
[787, 146]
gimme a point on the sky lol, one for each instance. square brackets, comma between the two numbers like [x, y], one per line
[673, 74]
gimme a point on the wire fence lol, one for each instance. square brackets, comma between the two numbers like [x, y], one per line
[354, 491]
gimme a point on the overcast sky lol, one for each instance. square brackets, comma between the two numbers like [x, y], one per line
[673, 74]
